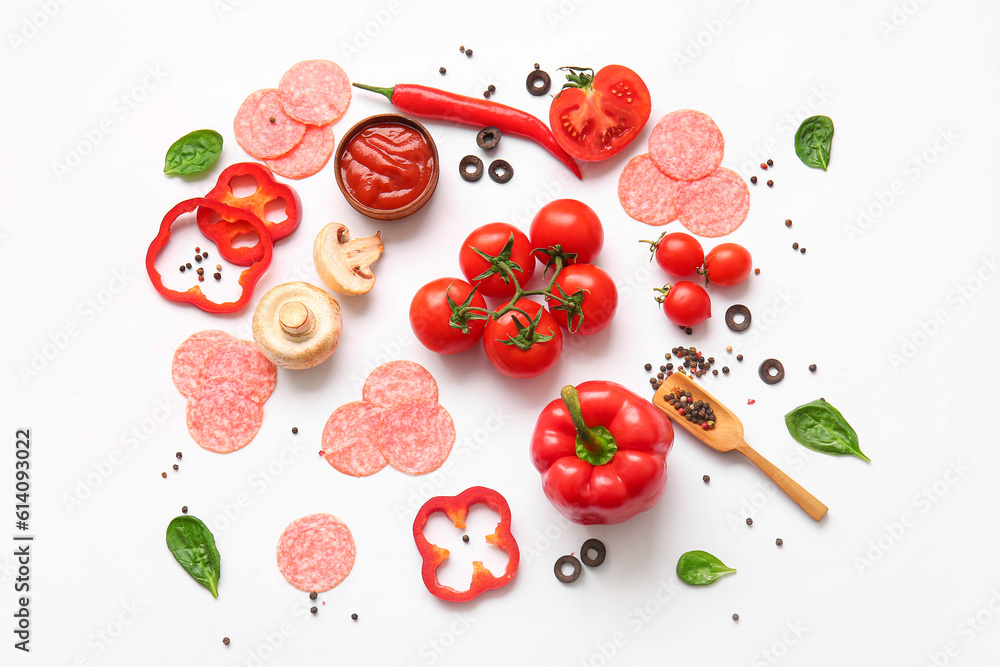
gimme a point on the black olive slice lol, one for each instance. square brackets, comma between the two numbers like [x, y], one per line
[596, 545]
[538, 82]
[572, 576]
[501, 171]
[765, 371]
[475, 174]
[488, 138]
[738, 309]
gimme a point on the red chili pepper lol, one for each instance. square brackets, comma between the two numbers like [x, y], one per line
[222, 232]
[457, 508]
[248, 278]
[601, 450]
[427, 102]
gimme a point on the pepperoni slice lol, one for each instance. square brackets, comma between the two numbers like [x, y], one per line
[316, 92]
[316, 552]
[350, 439]
[416, 435]
[714, 205]
[686, 145]
[306, 159]
[263, 128]
[224, 414]
[190, 356]
[646, 193]
[397, 380]
[244, 360]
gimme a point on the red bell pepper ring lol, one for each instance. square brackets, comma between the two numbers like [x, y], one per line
[222, 232]
[457, 508]
[601, 450]
[248, 278]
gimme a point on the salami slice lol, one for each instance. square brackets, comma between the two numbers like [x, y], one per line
[350, 439]
[646, 193]
[316, 92]
[241, 359]
[316, 552]
[190, 356]
[267, 131]
[686, 145]
[306, 159]
[416, 435]
[397, 380]
[714, 205]
[224, 414]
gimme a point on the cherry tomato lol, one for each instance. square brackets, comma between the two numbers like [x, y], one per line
[571, 224]
[597, 116]
[679, 254]
[510, 359]
[686, 304]
[430, 316]
[728, 264]
[491, 239]
[600, 298]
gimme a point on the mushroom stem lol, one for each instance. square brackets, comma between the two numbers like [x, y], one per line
[296, 319]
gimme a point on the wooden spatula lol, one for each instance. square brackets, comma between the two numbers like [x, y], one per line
[728, 435]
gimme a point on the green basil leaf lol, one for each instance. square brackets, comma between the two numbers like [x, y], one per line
[193, 153]
[813, 141]
[193, 545]
[700, 568]
[820, 427]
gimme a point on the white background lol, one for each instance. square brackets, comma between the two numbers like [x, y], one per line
[895, 302]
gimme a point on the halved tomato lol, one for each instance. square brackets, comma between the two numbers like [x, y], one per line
[595, 116]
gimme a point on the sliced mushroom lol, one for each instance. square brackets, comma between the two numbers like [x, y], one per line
[343, 263]
[297, 325]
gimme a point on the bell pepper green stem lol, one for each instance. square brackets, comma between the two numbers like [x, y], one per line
[595, 445]
[382, 91]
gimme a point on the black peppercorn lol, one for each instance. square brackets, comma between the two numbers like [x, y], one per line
[753, 179]
[812, 368]
[295, 429]
[442, 70]
[705, 478]
[354, 617]
[225, 641]
[648, 367]
[313, 596]
[749, 521]
[779, 541]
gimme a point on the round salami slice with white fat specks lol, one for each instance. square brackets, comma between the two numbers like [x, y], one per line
[262, 127]
[416, 435]
[306, 159]
[686, 145]
[224, 414]
[190, 356]
[244, 360]
[397, 380]
[316, 92]
[646, 193]
[350, 439]
[316, 552]
[714, 205]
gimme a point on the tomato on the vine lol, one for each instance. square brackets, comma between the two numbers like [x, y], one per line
[595, 116]
[678, 254]
[685, 303]
[598, 300]
[572, 225]
[494, 239]
[431, 316]
[728, 264]
[502, 336]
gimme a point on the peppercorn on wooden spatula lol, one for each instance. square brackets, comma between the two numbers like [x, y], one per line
[728, 435]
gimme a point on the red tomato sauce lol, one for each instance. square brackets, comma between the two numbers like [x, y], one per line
[387, 166]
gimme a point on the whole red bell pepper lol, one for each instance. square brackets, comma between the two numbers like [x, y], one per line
[248, 277]
[457, 508]
[601, 450]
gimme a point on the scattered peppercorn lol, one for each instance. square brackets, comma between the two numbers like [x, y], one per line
[201, 279]
[795, 246]
[803, 250]
[537, 66]
[225, 641]
[217, 275]
[197, 258]
[770, 184]
[779, 541]
[188, 265]
[763, 166]
[770, 162]
[753, 179]
[756, 272]
[295, 429]
[461, 49]
[313, 595]
[218, 267]
[491, 88]
[204, 254]
[201, 271]
[648, 367]
[184, 510]
[729, 348]
[354, 617]
[178, 455]
[725, 370]
[736, 617]
[465, 538]
[176, 467]
[197, 249]
[706, 479]
[812, 368]
[715, 372]
[749, 521]
[486, 94]
[468, 52]
[313, 610]
[739, 357]
[788, 222]
[442, 70]
[164, 475]
[182, 268]
[688, 330]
